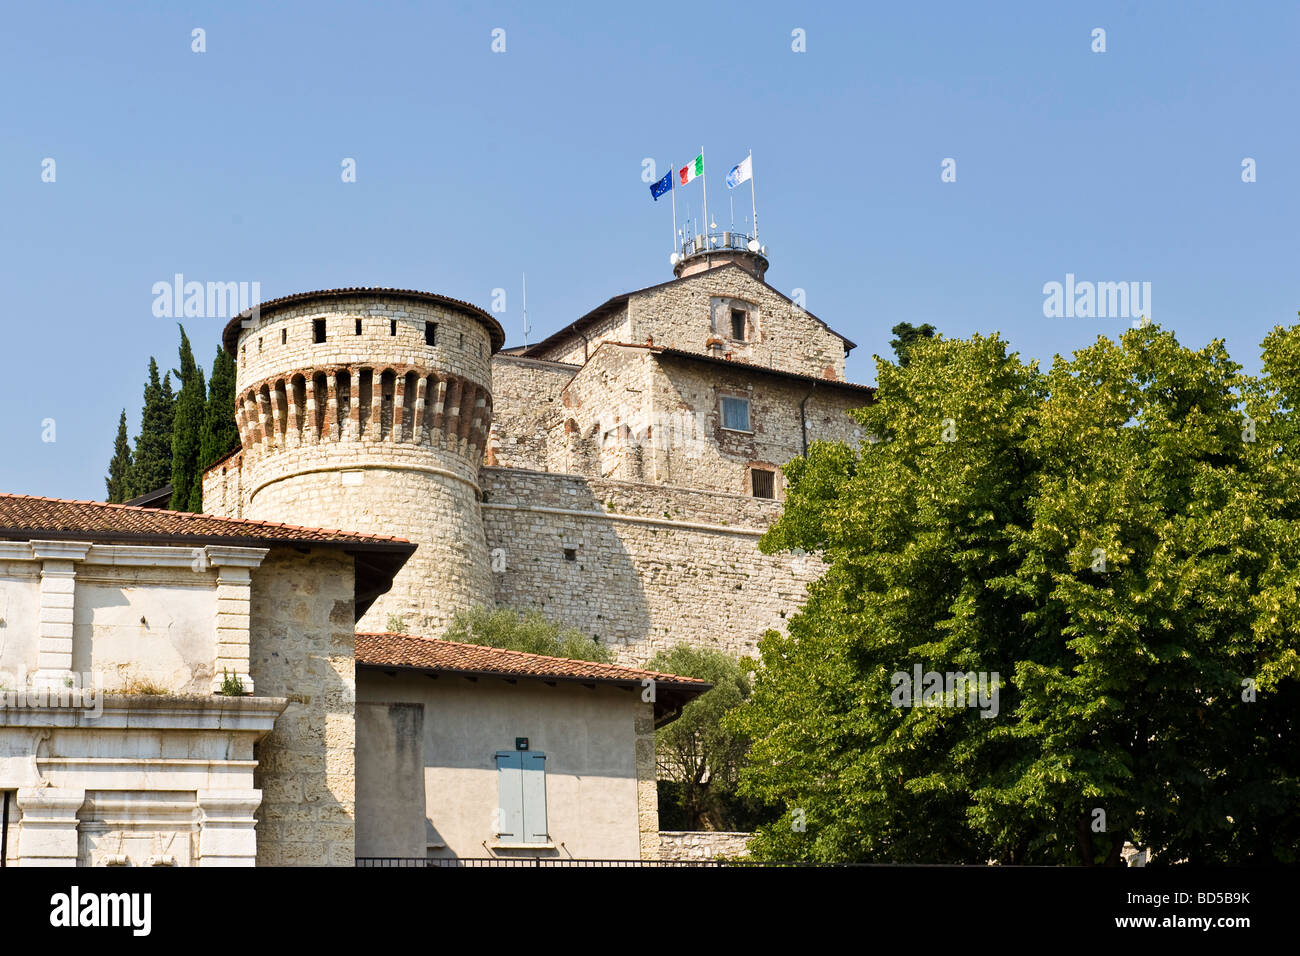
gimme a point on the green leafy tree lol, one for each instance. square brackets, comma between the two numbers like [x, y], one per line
[907, 336]
[152, 466]
[187, 486]
[1109, 540]
[698, 754]
[529, 632]
[219, 436]
[119, 468]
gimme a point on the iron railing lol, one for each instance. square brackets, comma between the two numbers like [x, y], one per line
[385, 862]
[715, 241]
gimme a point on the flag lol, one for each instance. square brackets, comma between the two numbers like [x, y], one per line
[742, 171]
[661, 187]
[692, 170]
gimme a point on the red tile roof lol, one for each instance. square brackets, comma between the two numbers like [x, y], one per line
[435, 654]
[23, 517]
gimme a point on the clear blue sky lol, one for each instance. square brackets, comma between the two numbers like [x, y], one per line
[473, 167]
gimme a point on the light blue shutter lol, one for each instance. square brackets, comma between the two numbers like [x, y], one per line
[510, 791]
[534, 794]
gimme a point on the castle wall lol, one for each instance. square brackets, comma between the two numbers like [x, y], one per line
[614, 327]
[651, 566]
[527, 408]
[302, 648]
[682, 314]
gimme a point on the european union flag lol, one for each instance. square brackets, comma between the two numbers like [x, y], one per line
[661, 187]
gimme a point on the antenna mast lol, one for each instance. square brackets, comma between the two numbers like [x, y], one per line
[525, 276]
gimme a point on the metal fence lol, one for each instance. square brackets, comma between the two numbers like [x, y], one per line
[384, 862]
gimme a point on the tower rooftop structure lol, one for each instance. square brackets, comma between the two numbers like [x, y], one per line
[719, 248]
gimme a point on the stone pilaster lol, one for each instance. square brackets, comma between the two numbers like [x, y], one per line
[58, 592]
[227, 829]
[234, 593]
[48, 827]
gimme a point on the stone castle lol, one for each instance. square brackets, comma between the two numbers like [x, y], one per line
[615, 476]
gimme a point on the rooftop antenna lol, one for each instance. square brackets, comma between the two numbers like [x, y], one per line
[525, 276]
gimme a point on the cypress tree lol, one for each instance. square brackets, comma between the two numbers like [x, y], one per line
[119, 469]
[220, 436]
[152, 467]
[186, 429]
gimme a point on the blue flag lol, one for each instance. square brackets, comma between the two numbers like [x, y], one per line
[661, 187]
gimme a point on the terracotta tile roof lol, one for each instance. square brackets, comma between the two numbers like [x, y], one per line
[230, 337]
[23, 517]
[454, 657]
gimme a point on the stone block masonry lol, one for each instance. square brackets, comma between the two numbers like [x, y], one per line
[640, 567]
[302, 648]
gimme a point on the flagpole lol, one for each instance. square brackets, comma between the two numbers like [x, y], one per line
[672, 188]
[705, 180]
[752, 202]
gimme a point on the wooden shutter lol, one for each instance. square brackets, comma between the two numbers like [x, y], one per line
[510, 791]
[534, 797]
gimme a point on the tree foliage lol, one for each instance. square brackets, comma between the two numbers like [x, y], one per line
[152, 466]
[907, 336]
[219, 435]
[187, 484]
[699, 754]
[119, 468]
[1112, 539]
[528, 631]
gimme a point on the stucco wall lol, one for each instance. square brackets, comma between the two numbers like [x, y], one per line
[589, 736]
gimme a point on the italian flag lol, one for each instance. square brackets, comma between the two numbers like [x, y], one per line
[692, 170]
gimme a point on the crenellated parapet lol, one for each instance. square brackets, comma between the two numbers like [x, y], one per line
[367, 404]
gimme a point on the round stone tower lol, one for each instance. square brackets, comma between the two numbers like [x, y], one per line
[368, 410]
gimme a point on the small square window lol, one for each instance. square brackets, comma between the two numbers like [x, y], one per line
[738, 324]
[358, 326]
[430, 333]
[318, 330]
[763, 483]
[735, 414]
[570, 554]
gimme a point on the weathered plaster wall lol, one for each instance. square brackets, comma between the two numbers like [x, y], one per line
[594, 797]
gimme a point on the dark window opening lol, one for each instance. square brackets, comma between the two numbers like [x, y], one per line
[392, 326]
[738, 324]
[462, 340]
[570, 554]
[358, 326]
[430, 333]
[284, 336]
[318, 330]
[259, 343]
[764, 483]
